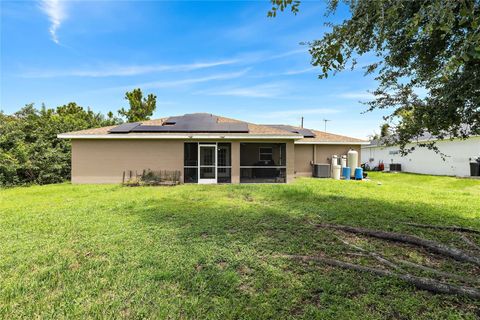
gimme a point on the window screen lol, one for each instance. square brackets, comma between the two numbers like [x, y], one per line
[191, 154]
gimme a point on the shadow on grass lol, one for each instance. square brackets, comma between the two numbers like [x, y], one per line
[203, 252]
[226, 247]
[246, 215]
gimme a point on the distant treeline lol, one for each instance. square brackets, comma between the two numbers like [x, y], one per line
[30, 151]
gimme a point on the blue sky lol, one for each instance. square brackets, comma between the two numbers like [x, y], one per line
[220, 57]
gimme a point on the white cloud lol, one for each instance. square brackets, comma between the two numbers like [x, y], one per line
[287, 54]
[55, 10]
[299, 71]
[181, 82]
[257, 91]
[255, 57]
[118, 70]
[291, 72]
[132, 70]
[356, 95]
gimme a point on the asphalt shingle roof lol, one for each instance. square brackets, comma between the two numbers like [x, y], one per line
[253, 129]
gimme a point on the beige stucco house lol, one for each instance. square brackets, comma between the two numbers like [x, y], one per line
[205, 149]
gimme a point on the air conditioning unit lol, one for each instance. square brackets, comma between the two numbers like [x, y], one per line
[395, 167]
[321, 170]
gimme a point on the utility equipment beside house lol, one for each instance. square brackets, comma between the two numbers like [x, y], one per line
[352, 161]
[343, 161]
[336, 172]
[475, 167]
[395, 167]
[334, 161]
[321, 170]
[358, 173]
[346, 173]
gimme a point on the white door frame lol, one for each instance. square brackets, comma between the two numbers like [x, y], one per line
[208, 181]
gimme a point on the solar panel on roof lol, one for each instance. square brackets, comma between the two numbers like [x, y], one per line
[124, 128]
[306, 133]
[198, 122]
[218, 127]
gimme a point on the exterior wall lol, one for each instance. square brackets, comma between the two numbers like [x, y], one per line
[303, 159]
[103, 161]
[325, 152]
[305, 154]
[425, 161]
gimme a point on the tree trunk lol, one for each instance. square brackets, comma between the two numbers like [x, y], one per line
[389, 263]
[451, 228]
[404, 238]
[419, 282]
[470, 242]
[437, 272]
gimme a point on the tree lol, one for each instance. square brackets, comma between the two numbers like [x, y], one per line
[140, 108]
[421, 46]
[30, 151]
[384, 130]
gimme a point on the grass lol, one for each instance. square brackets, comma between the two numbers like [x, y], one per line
[106, 251]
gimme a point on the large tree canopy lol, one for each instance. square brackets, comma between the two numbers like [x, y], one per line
[427, 66]
[29, 149]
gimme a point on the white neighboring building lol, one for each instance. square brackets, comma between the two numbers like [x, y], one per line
[422, 160]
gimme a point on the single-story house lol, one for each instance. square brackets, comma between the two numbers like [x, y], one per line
[204, 148]
[458, 155]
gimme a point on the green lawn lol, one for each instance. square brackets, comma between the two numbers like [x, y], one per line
[89, 251]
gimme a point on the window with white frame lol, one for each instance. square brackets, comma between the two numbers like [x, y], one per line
[265, 154]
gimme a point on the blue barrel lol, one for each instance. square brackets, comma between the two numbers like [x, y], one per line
[358, 173]
[346, 173]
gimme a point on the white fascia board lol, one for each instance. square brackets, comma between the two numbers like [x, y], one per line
[140, 137]
[342, 143]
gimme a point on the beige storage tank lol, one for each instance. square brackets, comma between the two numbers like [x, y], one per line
[334, 162]
[352, 161]
[334, 159]
[343, 161]
[336, 168]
